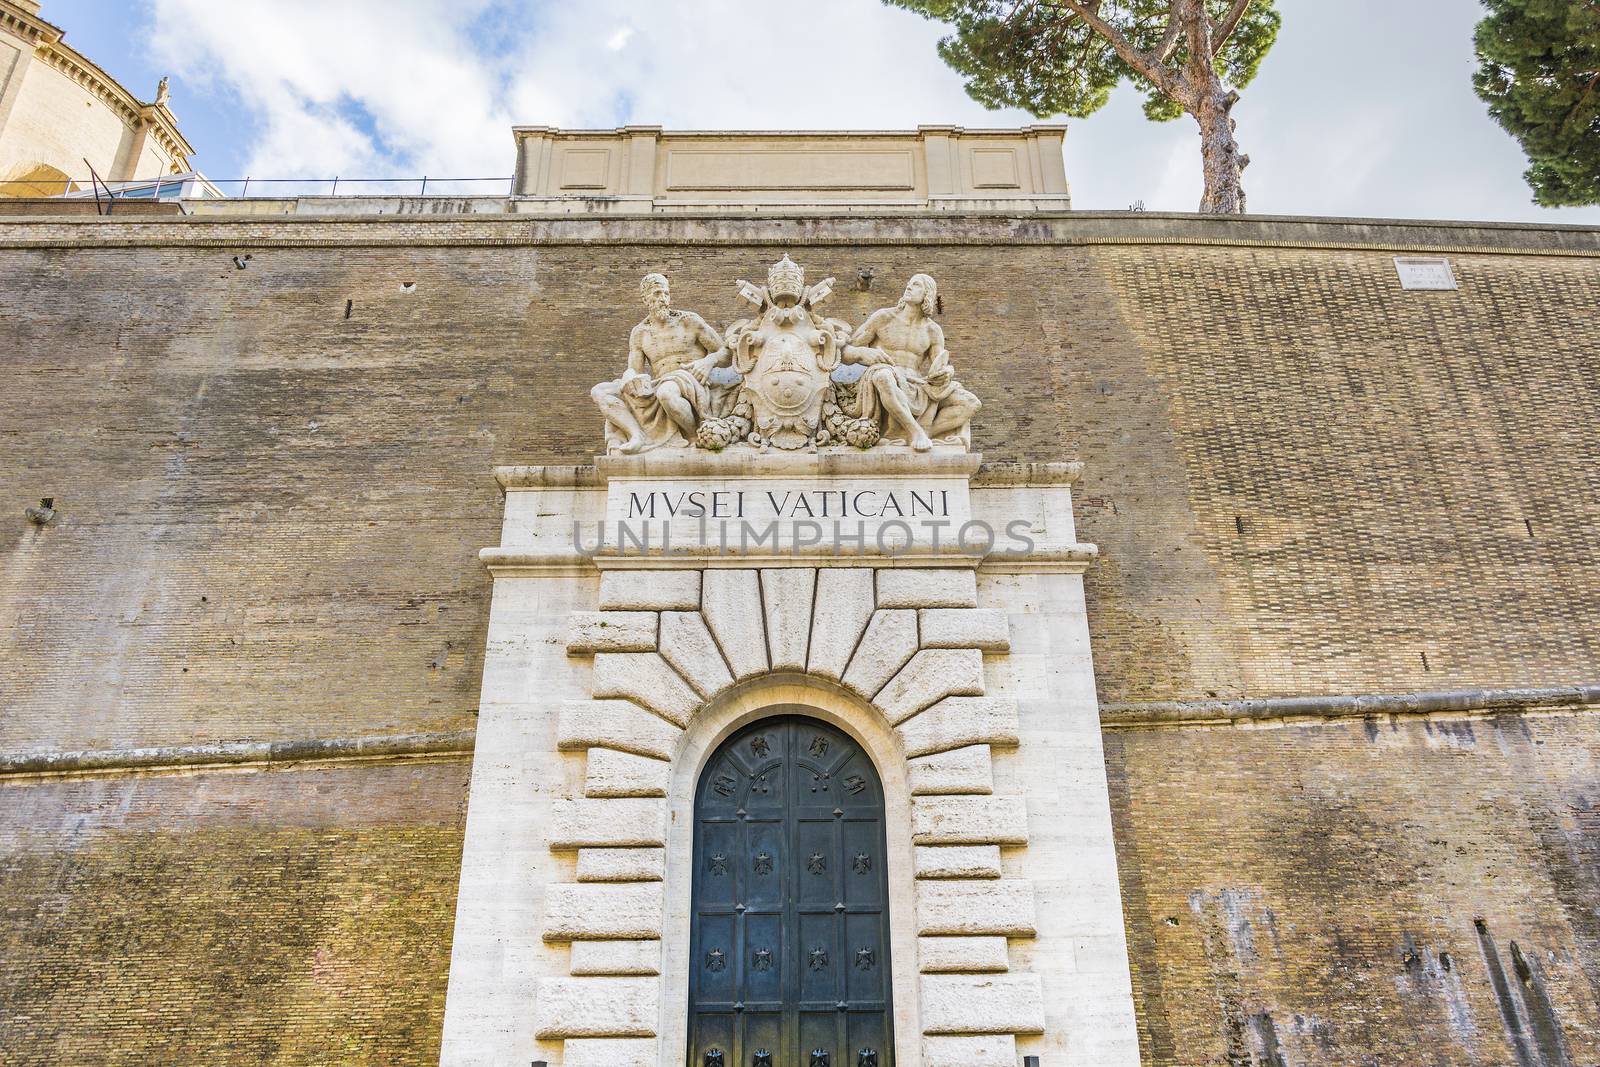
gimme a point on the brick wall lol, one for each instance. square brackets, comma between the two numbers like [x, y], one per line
[300, 916]
[273, 482]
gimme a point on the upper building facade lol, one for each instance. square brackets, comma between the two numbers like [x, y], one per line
[60, 115]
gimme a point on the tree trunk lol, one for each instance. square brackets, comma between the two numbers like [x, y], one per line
[1219, 153]
[1212, 107]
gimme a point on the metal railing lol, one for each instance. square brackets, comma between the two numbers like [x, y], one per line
[267, 188]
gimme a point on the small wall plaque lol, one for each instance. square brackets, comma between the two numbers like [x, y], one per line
[1424, 272]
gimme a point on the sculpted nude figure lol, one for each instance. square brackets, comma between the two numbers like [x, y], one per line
[662, 396]
[909, 382]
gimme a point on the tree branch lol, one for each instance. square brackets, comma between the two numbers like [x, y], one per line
[1145, 63]
[1174, 34]
[1229, 23]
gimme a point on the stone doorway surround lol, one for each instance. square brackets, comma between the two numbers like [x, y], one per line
[612, 676]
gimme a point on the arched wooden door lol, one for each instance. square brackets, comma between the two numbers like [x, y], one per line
[789, 953]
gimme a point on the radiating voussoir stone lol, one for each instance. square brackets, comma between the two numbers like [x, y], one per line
[646, 678]
[930, 676]
[890, 641]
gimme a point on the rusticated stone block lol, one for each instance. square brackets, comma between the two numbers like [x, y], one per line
[982, 628]
[990, 1050]
[595, 1007]
[611, 631]
[622, 774]
[962, 955]
[1000, 907]
[618, 724]
[647, 679]
[843, 609]
[616, 823]
[958, 721]
[621, 864]
[650, 591]
[787, 593]
[988, 1004]
[615, 957]
[688, 646]
[932, 675]
[597, 911]
[890, 641]
[961, 770]
[610, 1052]
[731, 604]
[958, 861]
[969, 821]
[918, 587]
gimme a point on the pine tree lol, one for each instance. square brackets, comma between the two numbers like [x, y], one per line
[1055, 57]
[1539, 72]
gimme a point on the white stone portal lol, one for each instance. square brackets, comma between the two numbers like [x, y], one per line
[637, 621]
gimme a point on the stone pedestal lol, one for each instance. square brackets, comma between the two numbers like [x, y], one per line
[648, 606]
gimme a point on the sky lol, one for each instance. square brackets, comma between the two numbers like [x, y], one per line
[1363, 108]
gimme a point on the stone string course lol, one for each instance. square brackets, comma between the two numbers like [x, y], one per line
[858, 625]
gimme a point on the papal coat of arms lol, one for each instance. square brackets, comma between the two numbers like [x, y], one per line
[786, 394]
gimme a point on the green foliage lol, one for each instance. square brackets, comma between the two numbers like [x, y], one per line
[1040, 56]
[1539, 72]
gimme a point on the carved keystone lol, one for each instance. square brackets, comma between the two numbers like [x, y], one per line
[787, 593]
[844, 607]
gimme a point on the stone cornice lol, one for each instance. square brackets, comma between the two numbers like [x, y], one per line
[30, 27]
[886, 228]
[1293, 710]
[235, 754]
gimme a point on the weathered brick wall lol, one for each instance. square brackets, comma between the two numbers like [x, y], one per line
[1303, 479]
[300, 916]
[273, 482]
[1312, 894]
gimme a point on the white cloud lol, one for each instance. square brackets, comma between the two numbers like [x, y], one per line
[1351, 115]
